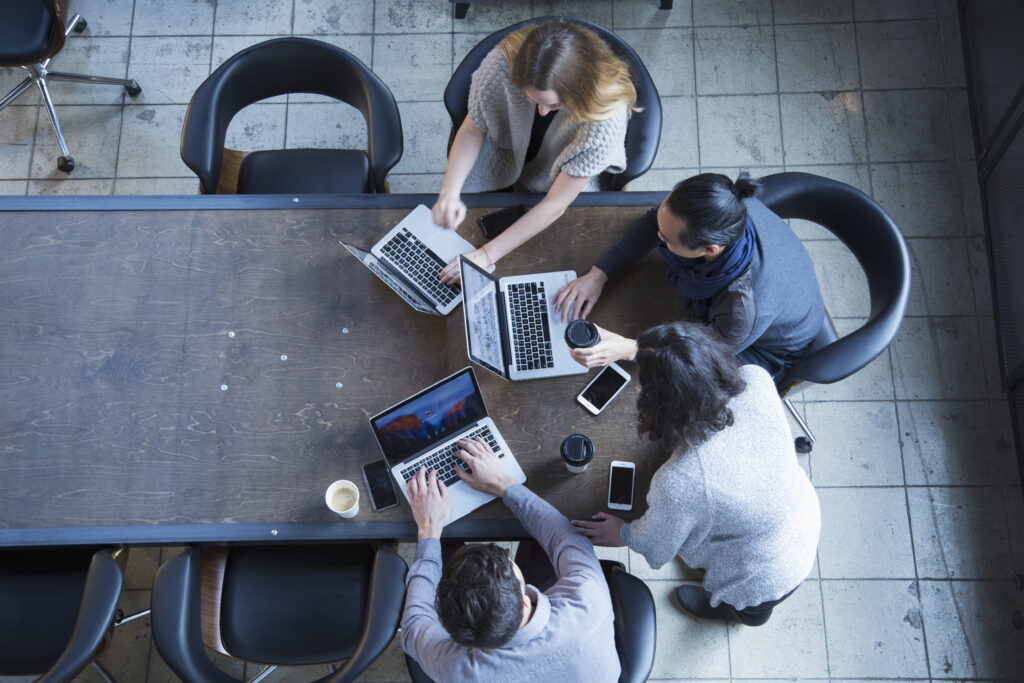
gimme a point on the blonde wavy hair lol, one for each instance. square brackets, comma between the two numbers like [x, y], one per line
[573, 61]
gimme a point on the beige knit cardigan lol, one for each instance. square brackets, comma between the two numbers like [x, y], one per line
[580, 148]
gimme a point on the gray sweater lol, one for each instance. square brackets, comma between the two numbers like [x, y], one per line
[738, 505]
[569, 637]
[580, 148]
[775, 305]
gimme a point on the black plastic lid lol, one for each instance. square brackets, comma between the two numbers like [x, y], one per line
[579, 334]
[577, 449]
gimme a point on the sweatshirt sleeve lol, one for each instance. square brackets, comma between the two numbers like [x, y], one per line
[638, 241]
[422, 633]
[598, 146]
[570, 552]
[676, 515]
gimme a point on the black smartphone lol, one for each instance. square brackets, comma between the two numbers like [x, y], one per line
[378, 481]
[493, 224]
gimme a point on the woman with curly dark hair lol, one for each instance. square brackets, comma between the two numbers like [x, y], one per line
[731, 499]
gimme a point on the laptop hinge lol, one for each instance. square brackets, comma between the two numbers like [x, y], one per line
[453, 437]
[506, 341]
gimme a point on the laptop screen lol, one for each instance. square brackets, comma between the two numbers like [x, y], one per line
[483, 326]
[429, 417]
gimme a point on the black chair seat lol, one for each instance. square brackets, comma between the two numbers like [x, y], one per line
[299, 593]
[305, 171]
[26, 30]
[40, 593]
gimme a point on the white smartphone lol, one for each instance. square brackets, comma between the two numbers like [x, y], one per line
[620, 485]
[603, 388]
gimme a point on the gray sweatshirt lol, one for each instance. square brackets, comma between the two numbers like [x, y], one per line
[569, 637]
[738, 505]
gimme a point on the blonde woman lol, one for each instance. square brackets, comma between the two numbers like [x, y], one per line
[547, 113]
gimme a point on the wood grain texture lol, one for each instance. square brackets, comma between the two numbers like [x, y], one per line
[114, 346]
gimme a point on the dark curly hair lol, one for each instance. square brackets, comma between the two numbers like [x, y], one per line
[479, 599]
[687, 377]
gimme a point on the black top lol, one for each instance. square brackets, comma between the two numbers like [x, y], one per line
[540, 127]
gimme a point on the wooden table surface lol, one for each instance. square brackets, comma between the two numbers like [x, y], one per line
[168, 376]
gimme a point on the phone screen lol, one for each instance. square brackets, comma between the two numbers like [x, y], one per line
[604, 386]
[378, 479]
[621, 488]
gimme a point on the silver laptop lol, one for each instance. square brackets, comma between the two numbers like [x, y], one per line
[422, 431]
[410, 257]
[512, 328]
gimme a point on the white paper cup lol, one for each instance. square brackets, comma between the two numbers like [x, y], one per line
[342, 498]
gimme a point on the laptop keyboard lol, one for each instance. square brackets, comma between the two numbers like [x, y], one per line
[531, 338]
[445, 461]
[411, 256]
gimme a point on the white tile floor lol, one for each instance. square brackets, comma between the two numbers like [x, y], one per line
[923, 516]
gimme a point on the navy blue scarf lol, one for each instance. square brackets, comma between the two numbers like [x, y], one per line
[699, 280]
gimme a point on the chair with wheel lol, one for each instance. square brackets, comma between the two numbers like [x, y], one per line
[278, 67]
[278, 606]
[643, 132]
[32, 32]
[873, 238]
[57, 610]
[636, 626]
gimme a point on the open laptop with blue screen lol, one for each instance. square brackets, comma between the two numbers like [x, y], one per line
[512, 328]
[422, 431]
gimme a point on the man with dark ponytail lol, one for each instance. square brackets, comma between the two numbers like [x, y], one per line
[740, 268]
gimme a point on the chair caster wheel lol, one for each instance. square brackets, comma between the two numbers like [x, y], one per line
[133, 89]
[803, 444]
[80, 26]
[66, 164]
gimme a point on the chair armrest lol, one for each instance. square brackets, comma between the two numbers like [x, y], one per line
[175, 619]
[96, 613]
[383, 613]
[636, 625]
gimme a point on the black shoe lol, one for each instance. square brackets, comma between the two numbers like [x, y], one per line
[696, 601]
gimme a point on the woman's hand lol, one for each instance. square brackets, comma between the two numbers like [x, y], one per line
[579, 296]
[605, 531]
[611, 347]
[452, 274]
[449, 210]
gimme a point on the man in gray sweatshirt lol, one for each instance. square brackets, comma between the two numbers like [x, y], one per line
[479, 619]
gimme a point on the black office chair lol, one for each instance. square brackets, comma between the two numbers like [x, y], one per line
[643, 133]
[57, 607]
[277, 67]
[290, 606]
[636, 627]
[867, 231]
[31, 33]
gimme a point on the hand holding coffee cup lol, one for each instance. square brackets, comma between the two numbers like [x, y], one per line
[342, 498]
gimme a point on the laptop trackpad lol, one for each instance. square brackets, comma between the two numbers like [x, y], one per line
[447, 243]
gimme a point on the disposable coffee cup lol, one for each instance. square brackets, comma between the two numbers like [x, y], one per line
[579, 334]
[342, 498]
[577, 452]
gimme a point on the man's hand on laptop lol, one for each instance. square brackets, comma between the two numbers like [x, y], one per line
[429, 500]
[611, 347]
[579, 296]
[488, 474]
[452, 273]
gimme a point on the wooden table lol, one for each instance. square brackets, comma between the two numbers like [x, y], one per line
[200, 369]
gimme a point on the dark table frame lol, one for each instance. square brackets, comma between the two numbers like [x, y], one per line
[311, 532]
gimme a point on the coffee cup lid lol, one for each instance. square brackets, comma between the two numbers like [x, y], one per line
[581, 334]
[577, 449]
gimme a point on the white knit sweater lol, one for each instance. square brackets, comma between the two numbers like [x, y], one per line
[580, 148]
[738, 505]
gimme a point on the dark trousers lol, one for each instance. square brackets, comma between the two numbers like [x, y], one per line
[531, 558]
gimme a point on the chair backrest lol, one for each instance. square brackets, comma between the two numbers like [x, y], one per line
[873, 238]
[644, 130]
[278, 67]
[31, 31]
[635, 622]
[57, 608]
